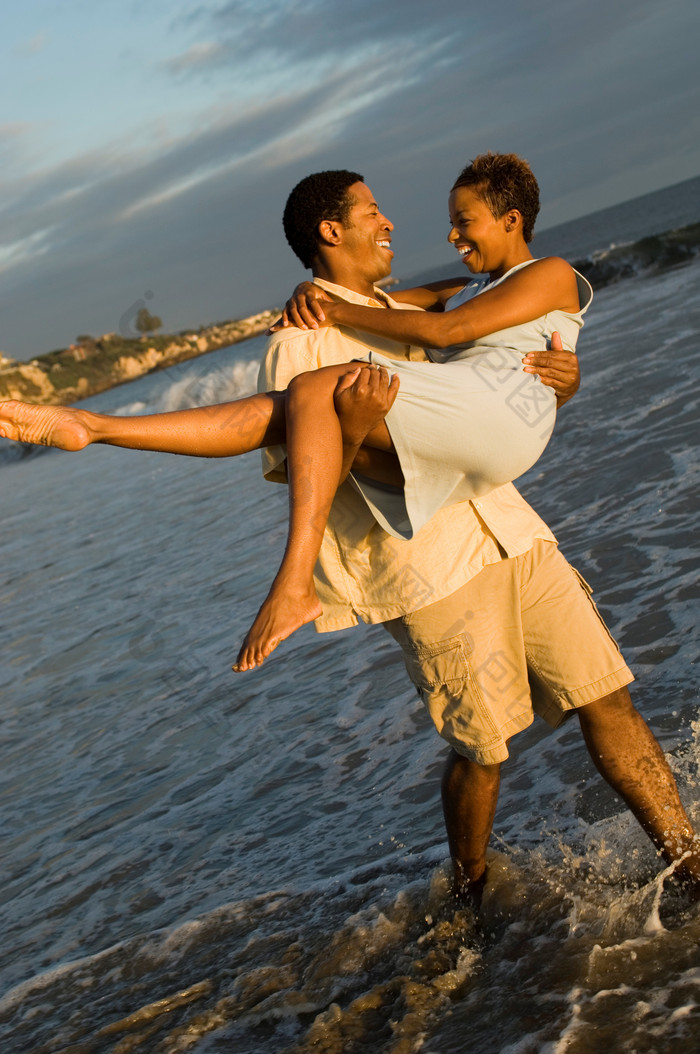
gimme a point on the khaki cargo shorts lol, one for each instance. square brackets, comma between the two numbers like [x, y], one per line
[522, 637]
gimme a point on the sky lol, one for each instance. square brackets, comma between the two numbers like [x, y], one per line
[147, 149]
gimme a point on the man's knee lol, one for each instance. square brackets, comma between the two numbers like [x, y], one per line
[616, 706]
[459, 768]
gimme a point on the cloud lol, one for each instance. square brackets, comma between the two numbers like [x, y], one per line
[404, 94]
[11, 136]
[34, 45]
[276, 37]
[198, 57]
[279, 33]
[113, 215]
[15, 147]
[35, 244]
[115, 185]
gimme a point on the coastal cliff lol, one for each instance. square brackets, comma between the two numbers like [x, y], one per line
[95, 364]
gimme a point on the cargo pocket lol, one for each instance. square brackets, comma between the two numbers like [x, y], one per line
[445, 681]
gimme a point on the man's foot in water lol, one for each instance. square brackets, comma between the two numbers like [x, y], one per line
[685, 877]
[57, 426]
[469, 892]
[285, 610]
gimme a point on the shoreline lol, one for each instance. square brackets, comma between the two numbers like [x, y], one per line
[95, 365]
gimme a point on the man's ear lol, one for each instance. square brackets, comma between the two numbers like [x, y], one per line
[330, 232]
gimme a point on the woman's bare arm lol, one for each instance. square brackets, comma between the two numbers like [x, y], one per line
[544, 286]
[304, 309]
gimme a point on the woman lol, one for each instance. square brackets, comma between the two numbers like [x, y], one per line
[491, 233]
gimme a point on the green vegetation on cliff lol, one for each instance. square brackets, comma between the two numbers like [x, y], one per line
[94, 364]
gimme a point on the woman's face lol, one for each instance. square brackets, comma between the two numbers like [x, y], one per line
[480, 238]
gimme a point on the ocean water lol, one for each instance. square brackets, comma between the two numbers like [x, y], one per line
[663, 210]
[199, 861]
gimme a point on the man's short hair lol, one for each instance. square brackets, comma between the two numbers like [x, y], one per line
[503, 182]
[321, 196]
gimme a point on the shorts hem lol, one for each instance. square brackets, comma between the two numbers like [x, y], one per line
[497, 752]
[574, 698]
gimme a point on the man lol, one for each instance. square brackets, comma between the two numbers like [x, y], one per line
[481, 601]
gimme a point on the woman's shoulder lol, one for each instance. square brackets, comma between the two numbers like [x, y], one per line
[552, 269]
[560, 276]
[569, 291]
[554, 265]
[556, 272]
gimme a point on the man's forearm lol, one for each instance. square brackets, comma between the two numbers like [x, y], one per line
[558, 369]
[432, 296]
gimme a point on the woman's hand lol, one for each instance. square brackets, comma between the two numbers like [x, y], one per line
[558, 369]
[303, 309]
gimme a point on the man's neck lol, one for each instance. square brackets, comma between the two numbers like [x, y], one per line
[345, 277]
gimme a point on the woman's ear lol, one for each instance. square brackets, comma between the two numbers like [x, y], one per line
[513, 220]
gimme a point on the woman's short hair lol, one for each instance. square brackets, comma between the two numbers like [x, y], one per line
[503, 182]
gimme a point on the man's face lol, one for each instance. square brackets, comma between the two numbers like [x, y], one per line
[367, 235]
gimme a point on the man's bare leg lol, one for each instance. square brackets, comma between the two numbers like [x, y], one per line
[469, 797]
[317, 461]
[629, 758]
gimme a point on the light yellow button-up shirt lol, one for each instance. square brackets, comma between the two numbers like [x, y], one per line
[362, 572]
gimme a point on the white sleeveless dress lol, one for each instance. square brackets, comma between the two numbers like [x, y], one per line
[470, 420]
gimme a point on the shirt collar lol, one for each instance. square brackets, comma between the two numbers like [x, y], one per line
[354, 298]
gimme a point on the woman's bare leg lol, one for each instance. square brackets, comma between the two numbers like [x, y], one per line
[367, 444]
[222, 430]
[206, 431]
[317, 460]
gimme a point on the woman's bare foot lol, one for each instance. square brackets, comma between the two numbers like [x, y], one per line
[57, 426]
[284, 611]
